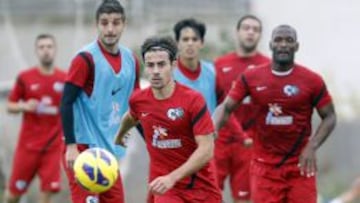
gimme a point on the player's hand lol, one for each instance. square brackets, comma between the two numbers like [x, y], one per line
[307, 161]
[248, 142]
[161, 184]
[30, 105]
[71, 154]
[122, 140]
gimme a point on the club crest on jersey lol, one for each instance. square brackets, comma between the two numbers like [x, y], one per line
[58, 86]
[175, 113]
[159, 139]
[291, 90]
[92, 199]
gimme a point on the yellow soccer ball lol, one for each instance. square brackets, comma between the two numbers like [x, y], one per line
[96, 170]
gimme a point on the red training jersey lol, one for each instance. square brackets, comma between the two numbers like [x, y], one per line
[82, 73]
[228, 69]
[286, 102]
[40, 130]
[170, 126]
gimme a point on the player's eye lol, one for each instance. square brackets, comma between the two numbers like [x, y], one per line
[150, 65]
[185, 39]
[245, 27]
[117, 22]
[161, 64]
[290, 39]
[277, 39]
[195, 39]
[104, 23]
[256, 29]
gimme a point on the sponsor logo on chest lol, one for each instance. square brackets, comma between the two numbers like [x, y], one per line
[160, 139]
[275, 116]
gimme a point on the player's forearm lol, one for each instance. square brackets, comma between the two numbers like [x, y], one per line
[323, 131]
[127, 123]
[15, 107]
[199, 158]
[221, 116]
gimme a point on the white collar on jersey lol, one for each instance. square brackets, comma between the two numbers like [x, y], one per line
[281, 73]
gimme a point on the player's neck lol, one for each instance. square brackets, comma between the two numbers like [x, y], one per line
[46, 70]
[165, 92]
[110, 49]
[244, 54]
[191, 64]
[282, 67]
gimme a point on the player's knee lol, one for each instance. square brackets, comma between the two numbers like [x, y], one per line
[51, 192]
[46, 196]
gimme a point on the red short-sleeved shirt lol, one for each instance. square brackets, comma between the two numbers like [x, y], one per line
[40, 130]
[286, 103]
[170, 126]
[81, 72]
[228, 69]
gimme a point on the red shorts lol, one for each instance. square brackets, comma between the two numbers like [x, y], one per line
[28, 163]
[80, 195]
[280, 185]
[233, 159]
[187, 195]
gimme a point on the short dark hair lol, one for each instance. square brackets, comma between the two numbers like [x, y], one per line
[110, 6]
[197, 26]
[160, 43]
[45, 36]
[245, 17]
[284, 26]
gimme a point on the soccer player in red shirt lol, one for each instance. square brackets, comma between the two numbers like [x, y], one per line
[284, 154]
[233, 151]
[37, 94]
[178, 131]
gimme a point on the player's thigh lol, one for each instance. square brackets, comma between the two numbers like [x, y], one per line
[24, 168]
[115, 194]
[302, 189]
[200, 196]
[203, 196]
[150, 198]
[50, 170]
[168, 197]
[267, 185]
[222, 160]
[78, 193]
[240, 171]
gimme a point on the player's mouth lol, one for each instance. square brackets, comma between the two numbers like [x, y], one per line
[190, 51]
[250, 40]
[110, 37]
[283, 53]
[155, 79]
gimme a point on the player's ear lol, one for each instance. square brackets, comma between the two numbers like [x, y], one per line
[270, 46]
[202, 43]
[297, 46]
[173, 64]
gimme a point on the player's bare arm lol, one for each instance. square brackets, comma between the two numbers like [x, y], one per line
[127, 123]
[308, 156]
[200, 157]
[22, 106]
[223, 112]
